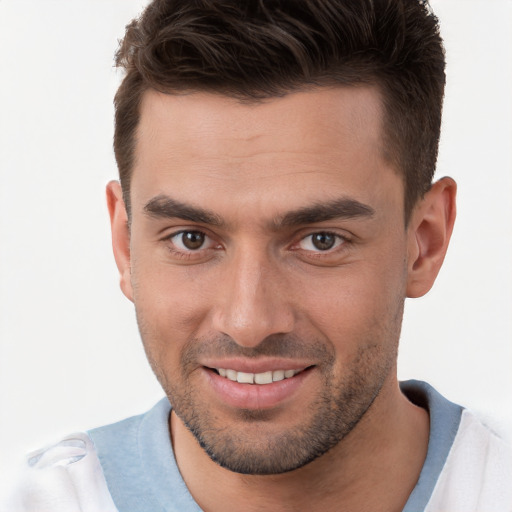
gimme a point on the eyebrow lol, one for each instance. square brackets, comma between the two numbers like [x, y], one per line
[165, 207]
[344, 208]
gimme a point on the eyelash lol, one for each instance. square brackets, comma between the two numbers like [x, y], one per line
[184, 253]
[341, 242]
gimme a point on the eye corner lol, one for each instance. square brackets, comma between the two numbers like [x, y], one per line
[321, 241]
[192, 244]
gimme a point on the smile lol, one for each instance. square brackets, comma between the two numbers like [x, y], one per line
[264, 388]
[257, 378]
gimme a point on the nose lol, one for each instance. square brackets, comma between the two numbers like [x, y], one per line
[252, 300]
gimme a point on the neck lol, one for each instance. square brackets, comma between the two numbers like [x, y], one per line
[384, 452]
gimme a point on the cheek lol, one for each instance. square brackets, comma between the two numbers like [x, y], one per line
[168, 316]
[358, 306]
[172, 298]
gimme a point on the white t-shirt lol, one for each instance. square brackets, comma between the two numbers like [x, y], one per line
[130, 467]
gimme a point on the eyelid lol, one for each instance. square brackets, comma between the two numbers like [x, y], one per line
[184, 253]
[171, 233]
[341, 243]
[208, 240]
[212, 242]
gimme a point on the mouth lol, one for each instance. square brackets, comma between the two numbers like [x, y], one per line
[263, 384]
[262, 378]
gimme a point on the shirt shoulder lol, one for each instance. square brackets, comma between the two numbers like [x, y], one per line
[139, 466]
[127, 466]
[63, 477]
[477, 473]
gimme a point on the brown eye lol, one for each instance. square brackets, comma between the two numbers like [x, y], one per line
[321, 241]
[192, 239]
[189, 240]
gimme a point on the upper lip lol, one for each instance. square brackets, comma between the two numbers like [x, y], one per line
[257, 365]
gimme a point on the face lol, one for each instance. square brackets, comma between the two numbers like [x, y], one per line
[267, 264]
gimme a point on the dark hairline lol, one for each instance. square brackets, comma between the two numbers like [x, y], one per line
[231, 47]
[387, 156]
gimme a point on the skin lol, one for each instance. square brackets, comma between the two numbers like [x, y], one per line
[256, 293]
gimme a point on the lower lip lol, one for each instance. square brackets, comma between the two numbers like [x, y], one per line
[255, 396]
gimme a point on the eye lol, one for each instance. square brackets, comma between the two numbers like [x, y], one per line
[321, 242]
[191, 241]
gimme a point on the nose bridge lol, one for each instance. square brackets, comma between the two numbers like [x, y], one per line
[253, 303]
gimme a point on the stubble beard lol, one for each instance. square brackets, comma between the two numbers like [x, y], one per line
[338, 408]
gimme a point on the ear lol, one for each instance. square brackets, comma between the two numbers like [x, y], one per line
[429, 232]
[120, 235]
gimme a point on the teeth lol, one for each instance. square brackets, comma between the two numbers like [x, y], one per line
[256, 378]
[278, 375]
[263, 378]
[245, 378]
[231, 374]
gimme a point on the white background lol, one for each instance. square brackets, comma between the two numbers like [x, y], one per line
[70, 355]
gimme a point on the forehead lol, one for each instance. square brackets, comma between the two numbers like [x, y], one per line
[302, 145]
[316, 118]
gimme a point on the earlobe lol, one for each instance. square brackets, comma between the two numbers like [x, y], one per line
[120, 236]
[429, 232]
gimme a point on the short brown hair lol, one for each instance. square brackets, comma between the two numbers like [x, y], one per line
[256, 49]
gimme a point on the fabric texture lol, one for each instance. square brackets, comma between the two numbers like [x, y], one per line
[64, 477]
[477, 475]
[130, 466]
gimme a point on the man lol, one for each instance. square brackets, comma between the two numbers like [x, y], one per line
[276, 206]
